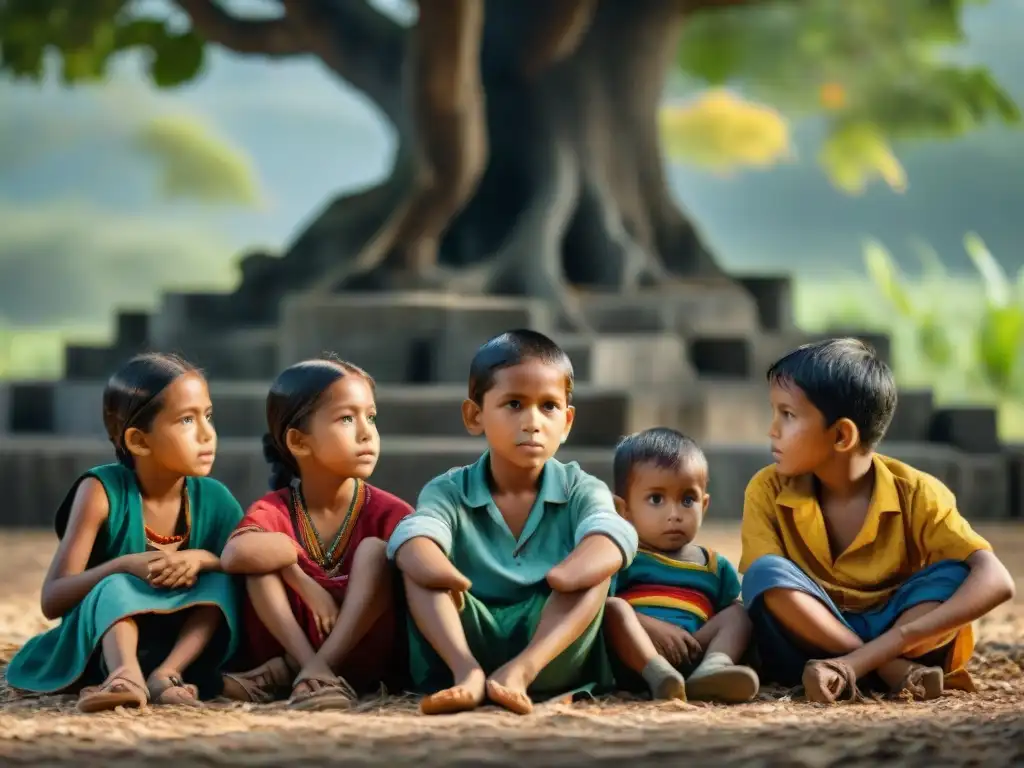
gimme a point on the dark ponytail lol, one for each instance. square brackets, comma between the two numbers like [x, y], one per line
[293, 398]
[134, 395]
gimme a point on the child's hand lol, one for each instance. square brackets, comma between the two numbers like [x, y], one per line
[320, 603]
[678, 646]
[172, 570]
[137, 565]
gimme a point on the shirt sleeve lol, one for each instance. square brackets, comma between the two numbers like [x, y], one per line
[436, 517]
[595, 514]
[759, 532]
[262, 517]
[728, 585]
[939, 530]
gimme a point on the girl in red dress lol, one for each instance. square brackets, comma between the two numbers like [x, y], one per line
[320, 615]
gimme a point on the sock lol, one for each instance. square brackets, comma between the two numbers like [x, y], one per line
[711, 663]
[664, 680]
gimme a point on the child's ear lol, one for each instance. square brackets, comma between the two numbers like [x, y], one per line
[471, 413]
[707, 502]
[136, 443]
[620, 506]
[297, 443]
[847, 435]
[570, 417]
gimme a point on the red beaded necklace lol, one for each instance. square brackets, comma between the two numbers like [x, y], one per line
[186, 510]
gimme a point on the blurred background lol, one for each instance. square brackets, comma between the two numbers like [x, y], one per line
[869, 151]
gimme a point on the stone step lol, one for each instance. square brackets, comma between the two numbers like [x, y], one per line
[707, 410]
[709, 308]
[36, 472]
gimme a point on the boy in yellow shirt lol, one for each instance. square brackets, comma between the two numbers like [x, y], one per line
[853, 562]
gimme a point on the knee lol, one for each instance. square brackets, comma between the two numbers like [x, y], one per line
[616, 608]
[371, 550]
[736, 618]
[764, 573]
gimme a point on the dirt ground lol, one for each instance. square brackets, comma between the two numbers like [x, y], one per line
[985, 729]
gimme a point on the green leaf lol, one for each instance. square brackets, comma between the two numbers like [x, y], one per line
[934, 341]
[998, 289]
[857, 152]
[176, 59]
[883, 272]
[999, 340]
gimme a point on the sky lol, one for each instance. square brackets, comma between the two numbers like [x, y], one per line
[84, 226]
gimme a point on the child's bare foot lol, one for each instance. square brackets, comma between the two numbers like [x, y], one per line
[924, 683]
[507, 688]
[466, 694]
[827, 680]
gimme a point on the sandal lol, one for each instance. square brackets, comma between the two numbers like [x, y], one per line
[172, 690]
[322, 694]
[118, 690]
[820, 693]
[266, 683]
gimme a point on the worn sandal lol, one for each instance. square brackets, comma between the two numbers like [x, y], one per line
[173, 690]
[266, 683]
[118, 690]
[322, 694]
[815, 690]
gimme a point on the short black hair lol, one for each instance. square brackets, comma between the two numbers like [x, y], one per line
[293, 398]
[512, 348]
[133, 396]
[661, 446]
[844, 379]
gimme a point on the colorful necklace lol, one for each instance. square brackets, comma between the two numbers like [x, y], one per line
[184, 510]
[328, 558]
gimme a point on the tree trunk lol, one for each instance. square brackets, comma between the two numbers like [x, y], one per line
[574, 191]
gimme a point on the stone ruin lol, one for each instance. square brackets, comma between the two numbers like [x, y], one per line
[691, 357]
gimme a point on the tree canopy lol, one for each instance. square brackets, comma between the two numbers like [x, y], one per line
[873, 72]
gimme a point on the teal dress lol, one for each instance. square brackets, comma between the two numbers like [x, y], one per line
[67, 656]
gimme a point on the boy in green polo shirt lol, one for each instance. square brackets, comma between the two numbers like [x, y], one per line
[507, 562]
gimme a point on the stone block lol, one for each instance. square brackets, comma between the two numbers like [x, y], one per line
[91, 363]
[184, 315]
[1014, 455]
[31, 408]
[400, 337]
[722, 358]
[913, 417]
[235, 355]
[773, 295]
[132, 329]
[972, 430]
[697, 308]
[624, 361]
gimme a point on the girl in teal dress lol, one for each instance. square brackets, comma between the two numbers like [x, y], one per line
[145, 610]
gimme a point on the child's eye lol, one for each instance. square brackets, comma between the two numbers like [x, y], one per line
[372, 418]
[689, 501]
[655, 499]
[186, 419]
[514, 405]
[346, 419]
[209, 417]
[552, 406]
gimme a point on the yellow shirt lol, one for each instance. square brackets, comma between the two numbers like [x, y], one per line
[912, 522]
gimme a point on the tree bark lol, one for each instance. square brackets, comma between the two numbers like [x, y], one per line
[573, 189]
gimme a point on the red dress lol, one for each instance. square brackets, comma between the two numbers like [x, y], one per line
[381, 656]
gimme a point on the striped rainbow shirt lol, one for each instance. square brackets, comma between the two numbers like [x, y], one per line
[684, 594]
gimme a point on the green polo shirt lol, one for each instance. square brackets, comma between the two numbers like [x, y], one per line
[456, 511]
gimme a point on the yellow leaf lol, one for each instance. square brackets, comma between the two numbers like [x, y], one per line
[722, 131]
[856, 153]
[196, 163]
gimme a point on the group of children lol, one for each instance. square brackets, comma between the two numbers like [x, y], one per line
[516, 578]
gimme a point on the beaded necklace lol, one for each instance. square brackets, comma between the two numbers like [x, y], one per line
[185, 512]
[328, 558]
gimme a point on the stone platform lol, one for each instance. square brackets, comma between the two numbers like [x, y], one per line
[691, 357]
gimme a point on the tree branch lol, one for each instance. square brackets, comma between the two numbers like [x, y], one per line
[557, 33]
[270, 37]
[360, 44]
